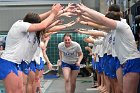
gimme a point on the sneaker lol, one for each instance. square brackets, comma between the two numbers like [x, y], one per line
[91, 75]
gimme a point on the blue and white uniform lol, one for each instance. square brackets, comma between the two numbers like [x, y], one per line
[93, 45]
[126, 49]
[14, 49]
[70, 55]
[30, 48]
[39, 59]
[98, 42]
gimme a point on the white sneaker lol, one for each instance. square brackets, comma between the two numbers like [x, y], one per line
[91, 75]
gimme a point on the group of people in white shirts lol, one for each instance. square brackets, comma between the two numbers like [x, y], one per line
[117, 57]
[21, 64]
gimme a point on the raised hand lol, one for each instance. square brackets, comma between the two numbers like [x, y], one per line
[70, 24]
[81, 7]
[56, 8]
[69, 8]
[80, 30]
[68, 14]
[79, 19]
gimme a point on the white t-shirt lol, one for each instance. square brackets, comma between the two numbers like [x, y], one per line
[15, 44]
[1, 51]
[31, 47]
[96, 41]
[39, 54]
[124, 43]
[113, 39]
[93, 48]
[70, 54]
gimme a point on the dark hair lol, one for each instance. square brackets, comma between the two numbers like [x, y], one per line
[67, 34]
[137, 19]
[114, 7]
[33, 18]
[113, 15]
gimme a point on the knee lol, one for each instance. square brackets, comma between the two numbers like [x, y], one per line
[67, 80]
[24, 82]
[73, 84]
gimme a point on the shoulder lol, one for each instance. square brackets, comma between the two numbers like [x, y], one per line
[122, 25]
[20, 25]
[60, 44]
[74, 43]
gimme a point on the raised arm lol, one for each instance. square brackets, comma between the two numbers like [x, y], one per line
[92, 33]
[98, 17]
[60, 27]
[97, 26]
[46, 22]
[45, 15]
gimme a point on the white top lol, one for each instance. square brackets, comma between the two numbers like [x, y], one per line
[98, 50]
[70, 54]
[1, 51]
[93, 48]
[113, 39]
[124, 43]
[38, 55]
[104, 47]
[31, 47]
[96, 42]
[15, 42]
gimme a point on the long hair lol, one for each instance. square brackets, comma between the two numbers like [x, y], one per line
[33, 18]
[113, 15]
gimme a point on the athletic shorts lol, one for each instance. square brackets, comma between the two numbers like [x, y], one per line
[100, 65]
[41, 65]
[99, 69]
[6, 67]
[106, 65]
[132, 65]
[32, 66]
[24, 67]
[71, 66]
[101, 60]
[114, 64]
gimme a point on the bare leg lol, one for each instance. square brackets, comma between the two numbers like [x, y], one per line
[107, 84]
[37, 81]
[20, 83]
[120, 79]
[11, 86]
[73, 77]
[67, 74]
[102, 81]
[112, 85]
[98, 79]
[38, 76]
[31, 79]
[24, 82]
[130, 82]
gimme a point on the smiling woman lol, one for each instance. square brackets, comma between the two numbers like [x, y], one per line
[70, 54]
